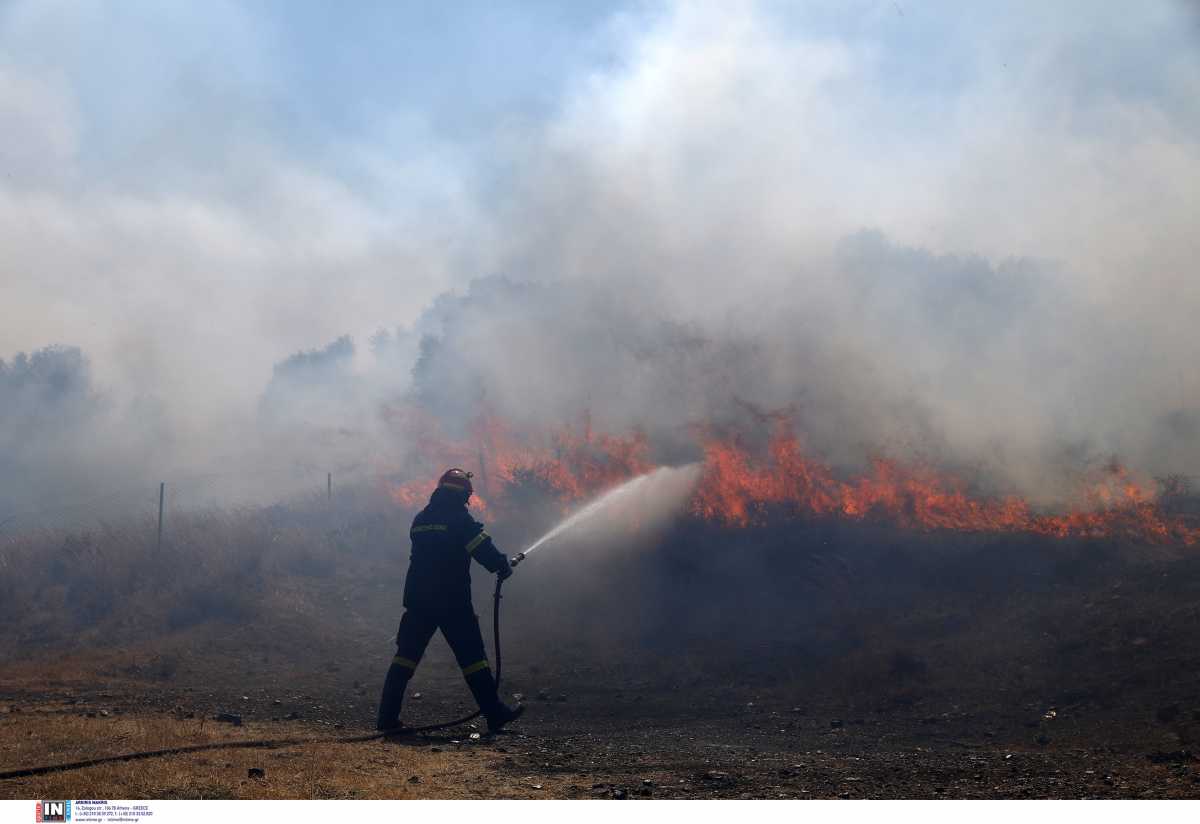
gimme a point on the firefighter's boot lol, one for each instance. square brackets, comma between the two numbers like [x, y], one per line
[502, 714]
[497, 713]
[393, 697]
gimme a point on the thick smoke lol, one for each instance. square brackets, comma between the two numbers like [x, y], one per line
[68, 449]
[1018, 307]
[956, 235]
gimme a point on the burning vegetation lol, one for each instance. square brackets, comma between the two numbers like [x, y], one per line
[744, 484]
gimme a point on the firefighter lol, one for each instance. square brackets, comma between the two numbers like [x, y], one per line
[437, 595]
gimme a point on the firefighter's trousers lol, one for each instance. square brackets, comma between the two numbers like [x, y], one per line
[460, 627]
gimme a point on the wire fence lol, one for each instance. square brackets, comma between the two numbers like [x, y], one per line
[187, 491]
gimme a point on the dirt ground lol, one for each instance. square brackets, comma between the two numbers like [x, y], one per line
[586, 742]
[1068, 680]
[766, 751]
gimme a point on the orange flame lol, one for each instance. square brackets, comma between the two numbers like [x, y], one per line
[739, 489]
[569, 465]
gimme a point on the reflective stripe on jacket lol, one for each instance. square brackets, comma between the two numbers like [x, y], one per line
[444, 540]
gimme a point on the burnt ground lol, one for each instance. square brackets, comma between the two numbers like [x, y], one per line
[918, 669]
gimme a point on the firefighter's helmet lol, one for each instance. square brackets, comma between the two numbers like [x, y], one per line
[456, 479]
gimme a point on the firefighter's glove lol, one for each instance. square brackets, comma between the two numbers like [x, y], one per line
[505, 571]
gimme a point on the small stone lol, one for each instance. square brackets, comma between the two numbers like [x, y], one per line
[619, 795]
[435, 749]
[256, 772]
[475, 736]
[245, 697]
[417, 696]
[518, 697]
[536, 786]
[104, 713]
[836, 724]
[292, 716]
[278, 702]
[414, 779]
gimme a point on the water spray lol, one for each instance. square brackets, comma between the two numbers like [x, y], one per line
[610, 498]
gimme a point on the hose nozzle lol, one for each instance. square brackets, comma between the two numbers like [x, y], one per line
[516, 559]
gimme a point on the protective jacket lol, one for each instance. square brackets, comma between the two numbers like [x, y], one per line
[444, 540]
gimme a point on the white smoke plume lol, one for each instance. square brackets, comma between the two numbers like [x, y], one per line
[960, 234]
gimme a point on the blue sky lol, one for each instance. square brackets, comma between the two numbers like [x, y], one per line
[188, 81]
[179, 84]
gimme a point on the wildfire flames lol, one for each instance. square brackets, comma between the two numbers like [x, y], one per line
[738, 490]
[742, 487]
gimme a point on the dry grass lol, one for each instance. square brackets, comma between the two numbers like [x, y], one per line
[110, 585]
[374, 769]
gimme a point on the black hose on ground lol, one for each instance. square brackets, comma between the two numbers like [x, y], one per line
[272, 743]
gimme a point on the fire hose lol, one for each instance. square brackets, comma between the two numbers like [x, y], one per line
[276, 743]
